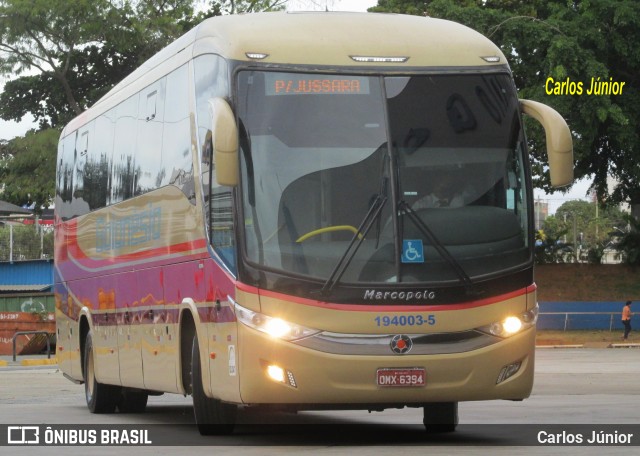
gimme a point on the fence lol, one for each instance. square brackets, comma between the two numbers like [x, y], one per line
[26, 242]
[567, 321]
[565, 316]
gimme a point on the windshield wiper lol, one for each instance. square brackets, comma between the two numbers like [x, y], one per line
[369, 219]
[356, 241]
[439, 246]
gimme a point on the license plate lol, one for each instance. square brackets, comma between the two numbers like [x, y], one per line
[410, 376]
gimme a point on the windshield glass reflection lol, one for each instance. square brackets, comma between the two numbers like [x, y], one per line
[316, 159]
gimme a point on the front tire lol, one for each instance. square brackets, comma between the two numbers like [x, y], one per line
[100, 398]
[213, 417]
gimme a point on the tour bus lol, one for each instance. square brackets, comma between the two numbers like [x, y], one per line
[303, 211]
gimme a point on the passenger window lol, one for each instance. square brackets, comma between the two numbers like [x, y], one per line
[177, 161]
[150, 124]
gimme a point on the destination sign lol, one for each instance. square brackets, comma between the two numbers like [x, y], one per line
[305, 84]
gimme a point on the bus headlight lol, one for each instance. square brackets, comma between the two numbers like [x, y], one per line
[274, 327]
[512, 324]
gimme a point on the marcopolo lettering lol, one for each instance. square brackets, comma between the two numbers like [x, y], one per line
[418, 295]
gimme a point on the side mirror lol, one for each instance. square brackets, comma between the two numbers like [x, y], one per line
[225, 142]
[559, 141]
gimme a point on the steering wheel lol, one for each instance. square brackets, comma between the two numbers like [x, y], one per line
[329, 229]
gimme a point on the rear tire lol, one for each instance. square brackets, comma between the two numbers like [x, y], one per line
[101, 398]
[213, 417]
[441, 417]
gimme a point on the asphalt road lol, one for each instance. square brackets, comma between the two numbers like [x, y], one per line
[577, 391]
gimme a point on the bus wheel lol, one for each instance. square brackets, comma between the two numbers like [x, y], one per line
[213, 417]
[440, 417]
[132, 401]
[100, 398]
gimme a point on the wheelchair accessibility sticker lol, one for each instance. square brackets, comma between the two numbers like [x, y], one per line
[412, 251]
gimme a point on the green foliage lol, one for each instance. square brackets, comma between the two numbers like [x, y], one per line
[80, 49]
[566, 39]
[591, 226]
[43, 35]
[550, 249]
[247, 6]
[629, 243]
[93, 71]
[595, 255]
[28, 168]
[414, 7]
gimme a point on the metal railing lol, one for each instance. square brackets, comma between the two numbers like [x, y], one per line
[26, 242]
[599, 320]
[24, 333]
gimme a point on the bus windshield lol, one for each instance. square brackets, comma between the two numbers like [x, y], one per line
[416, 179]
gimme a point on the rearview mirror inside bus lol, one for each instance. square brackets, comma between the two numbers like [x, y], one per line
[225, 142]
[559, 142]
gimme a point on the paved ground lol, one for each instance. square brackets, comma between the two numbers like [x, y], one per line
[594, 389]
[44, 360]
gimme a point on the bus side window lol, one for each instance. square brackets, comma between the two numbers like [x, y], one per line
[150, 126]
[79, 203]
[65, 173]
[124, 171]
[177, 159]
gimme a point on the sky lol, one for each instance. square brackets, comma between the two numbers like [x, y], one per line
[9, 130]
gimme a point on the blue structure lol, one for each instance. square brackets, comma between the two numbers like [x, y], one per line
[37, 277]
[26, 276]
[603, 315]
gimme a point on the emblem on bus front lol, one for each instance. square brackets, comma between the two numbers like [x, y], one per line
[401, 344]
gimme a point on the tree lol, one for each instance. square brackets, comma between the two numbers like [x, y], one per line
[28, 168]
[78, 50]
[413, 7]
[629, 243]
[584, 223]
[571, 41]
[81, 49]
[43, 35]
[248, 6]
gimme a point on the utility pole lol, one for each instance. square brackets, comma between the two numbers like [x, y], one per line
[575, 237]
[597, 208]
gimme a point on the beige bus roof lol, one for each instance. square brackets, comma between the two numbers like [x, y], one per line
[331, 38]
[319, 39]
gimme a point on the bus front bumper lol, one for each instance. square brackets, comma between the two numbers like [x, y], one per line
[277, 372]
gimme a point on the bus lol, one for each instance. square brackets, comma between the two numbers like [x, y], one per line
[303, 211]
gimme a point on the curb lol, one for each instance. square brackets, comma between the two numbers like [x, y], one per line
[635, 345]
[39, 362]
[559, 346]
[625, 345]
[30, 362]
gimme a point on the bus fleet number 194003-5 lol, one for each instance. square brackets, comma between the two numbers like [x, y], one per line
[405, 320]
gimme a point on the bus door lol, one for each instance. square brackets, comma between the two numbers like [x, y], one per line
[158, 342]
[105, 333]
[223, 336]
[129, 331]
